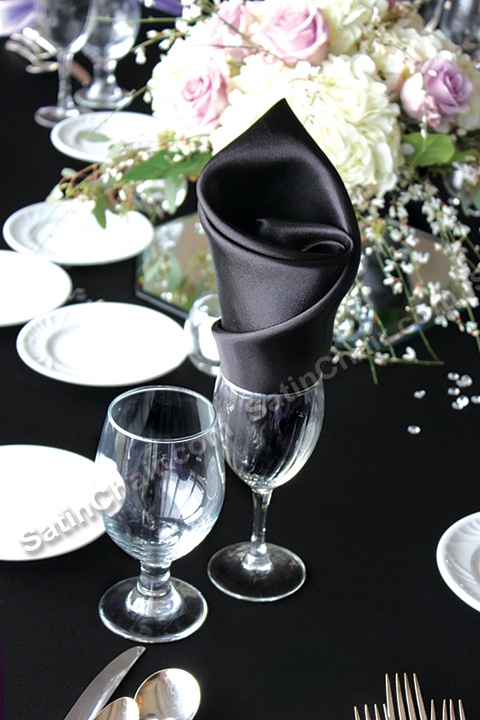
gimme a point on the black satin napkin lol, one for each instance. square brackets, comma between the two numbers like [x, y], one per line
[286, 247]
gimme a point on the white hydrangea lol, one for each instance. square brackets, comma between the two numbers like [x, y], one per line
[257, 87]
[343, 106]
[355, 123]
[348, 19]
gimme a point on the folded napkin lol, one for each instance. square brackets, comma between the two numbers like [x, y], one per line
[286, 247]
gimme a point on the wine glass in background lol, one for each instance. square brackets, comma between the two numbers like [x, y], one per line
[267, 439]
[160, 476]
[460, 22]
[65, 24]
[114, 31]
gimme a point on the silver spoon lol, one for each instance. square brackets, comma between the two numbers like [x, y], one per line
[122, 709]
[170, 694]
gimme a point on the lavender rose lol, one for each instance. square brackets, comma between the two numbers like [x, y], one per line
[202, 99]
[439, 90]
[295, 31]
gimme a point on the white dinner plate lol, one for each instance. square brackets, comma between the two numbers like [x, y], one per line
[67, 233]
[458, 559]
[91, 136]
[47, 502]
[102, 344]
[29, 286]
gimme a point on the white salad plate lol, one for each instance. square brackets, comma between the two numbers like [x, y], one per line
[458, 559]
[67, 233]
[102, 344]
[92, 136]
[29, 286]
[47, 502]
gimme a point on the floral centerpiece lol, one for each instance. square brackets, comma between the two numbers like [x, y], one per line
[394, 106]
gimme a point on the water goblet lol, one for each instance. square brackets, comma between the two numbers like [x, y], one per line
[160, 478]
[114, 31]
[267, 439]
[66, 26]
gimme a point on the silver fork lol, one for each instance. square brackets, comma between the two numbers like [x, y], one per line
[409, 702]
[368, 716]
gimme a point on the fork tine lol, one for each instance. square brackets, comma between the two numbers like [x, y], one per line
[377, 712]
[390, 708]
[452, 710]
[355, 714]
[444, 710]
[461, 711]
[420, 703]
[400, 703]
[409, 699]
[433, 715]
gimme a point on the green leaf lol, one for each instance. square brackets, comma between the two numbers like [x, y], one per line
[171, 189]
[93, 136]
[436, 149]
[161, 165]
[100, 209]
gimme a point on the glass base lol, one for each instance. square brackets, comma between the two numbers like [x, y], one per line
[232, 572]
[184, 620]
[86, 97]
[50, 115]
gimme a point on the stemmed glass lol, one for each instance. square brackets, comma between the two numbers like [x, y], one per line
[113, 35]
[460, 21]
[160, 478]
[65, 24]
[267, 439]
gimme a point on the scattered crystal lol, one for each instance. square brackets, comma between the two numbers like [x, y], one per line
[453, 376]
[460, 403]
[475, 399]
[414, 429]
[453, 391]
[464, 381]
[419, 394]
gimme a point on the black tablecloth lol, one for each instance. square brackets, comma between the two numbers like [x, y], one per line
[365, 514]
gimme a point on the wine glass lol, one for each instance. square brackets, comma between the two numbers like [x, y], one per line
[460, 21]
[114, 31]
[160, 483]
[267, 439]
[65, 24]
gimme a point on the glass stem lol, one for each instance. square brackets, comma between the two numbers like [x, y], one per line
[154, 593]
[64, 99]
[104, 84]
[257, 556]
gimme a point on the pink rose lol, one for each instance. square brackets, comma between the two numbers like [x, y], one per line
[201, 99]
[227, 26]
[438, 90]
[296, 31]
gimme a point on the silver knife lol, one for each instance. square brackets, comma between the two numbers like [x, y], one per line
[95, 695]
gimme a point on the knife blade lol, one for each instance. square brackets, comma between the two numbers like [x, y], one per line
[102, 687]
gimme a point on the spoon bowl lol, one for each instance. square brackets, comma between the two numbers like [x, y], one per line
[122, 709]
[168, 694]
